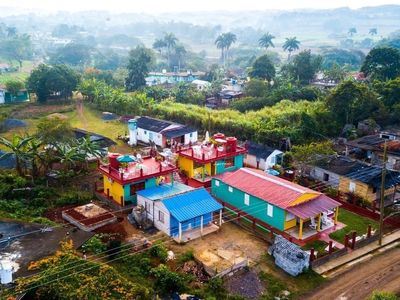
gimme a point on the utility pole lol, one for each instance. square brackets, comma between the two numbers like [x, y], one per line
[382, 200]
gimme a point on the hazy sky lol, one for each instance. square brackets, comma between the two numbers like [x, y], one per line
[157, 6]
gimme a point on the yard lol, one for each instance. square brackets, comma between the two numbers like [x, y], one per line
[353, 222]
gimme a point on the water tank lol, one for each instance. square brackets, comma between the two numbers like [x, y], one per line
[6, 270]
[112, 158]
[219, 136]
[231, 143]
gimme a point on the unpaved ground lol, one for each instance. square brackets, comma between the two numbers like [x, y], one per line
[380, 273]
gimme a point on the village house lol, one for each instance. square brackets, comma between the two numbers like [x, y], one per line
[6, 97]
[261, 156]
[172, 78]
[162, 133]
[180, 211]
[370, 148]
[125, 175]
[201, 162]
[275, 204]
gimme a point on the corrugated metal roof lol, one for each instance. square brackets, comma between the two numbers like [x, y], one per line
[191, 204]
[152, 124]
[313, 207]
[267, 187]
[176, 132]
[164, 191]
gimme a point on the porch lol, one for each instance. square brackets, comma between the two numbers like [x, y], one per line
[195, 233]
[306, 229]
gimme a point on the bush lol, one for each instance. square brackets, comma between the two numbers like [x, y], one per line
[73, 198]
[381, 295]
[167, 281]
[186, 256]
[113, 248]
[94, 245]
[159, 251]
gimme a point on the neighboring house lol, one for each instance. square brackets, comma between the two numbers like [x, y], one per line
[201, 162]
[262, 157]
[180, 211]
[370, 148]
[201, 85]
[275, 204]
[7, 97]
[162, 133]
[157, 78]
[366, 183]
[121, 182]
[329, 169]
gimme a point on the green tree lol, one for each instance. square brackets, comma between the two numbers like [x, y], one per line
[382, 63]
[73, 54]
[389, 91]
[308, 153]
[167, 281]
[17, 48]
[352, 31]
[140, 60]
[159, 44]
[54, 130]
[179, 55]
[382, 295]
[335, 73]
[291, 44]
[304, 66]
[18, 146]
[224, 41]
[170, 41]
[263, 68]
[266, 41]
[13, 86]
[351, 102]
[256, 88]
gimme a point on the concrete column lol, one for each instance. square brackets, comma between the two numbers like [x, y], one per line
[180, 231]
[201, 225]
[301, 229]
[319, 222]
[220, 217]
[336, 215]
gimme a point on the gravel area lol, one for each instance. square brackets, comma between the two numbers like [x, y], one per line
[246, 284]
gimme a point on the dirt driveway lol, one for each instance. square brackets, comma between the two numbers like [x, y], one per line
[380, 273]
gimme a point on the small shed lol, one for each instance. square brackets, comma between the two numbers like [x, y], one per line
[289, 257]
[261, 156]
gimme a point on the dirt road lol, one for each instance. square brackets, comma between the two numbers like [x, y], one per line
[381, 272]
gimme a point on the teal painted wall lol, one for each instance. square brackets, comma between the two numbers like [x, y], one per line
[20, 97]
[256, 208]
[149, 183]
[237, 164]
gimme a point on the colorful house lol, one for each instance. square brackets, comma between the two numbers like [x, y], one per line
[7, 97]
[276, 204]
[201, 162]
[180, 211]
[122, 181]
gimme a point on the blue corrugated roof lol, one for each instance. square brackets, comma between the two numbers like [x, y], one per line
[164, 191]
[191, 204]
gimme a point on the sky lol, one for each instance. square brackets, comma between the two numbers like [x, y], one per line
[160, 6]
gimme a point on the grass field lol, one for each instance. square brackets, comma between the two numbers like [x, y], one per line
[21, 75]
[353, 222]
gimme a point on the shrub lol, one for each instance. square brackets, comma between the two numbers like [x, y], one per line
[168, 281]
[113, 248]
[94, 245]
[186, 256]
[73, 198]
[381, 295]
[159, 251]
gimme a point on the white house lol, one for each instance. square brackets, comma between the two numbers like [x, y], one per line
[180, 211]
[261, 156]
[201, 84]
[162, 133]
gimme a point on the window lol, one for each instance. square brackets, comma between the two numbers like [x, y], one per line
[326, 177]
[230, 189]
[191, 134]
[270, 210]
[160, 216]
[216, 183]
[145, 132]
[147, 204]
[136, 187]
[246, 199]
[229, 162]
[352, 186]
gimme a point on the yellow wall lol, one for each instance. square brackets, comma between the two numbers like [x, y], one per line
[289, 224]
[116, 190]
[186, 165]
[304, 198]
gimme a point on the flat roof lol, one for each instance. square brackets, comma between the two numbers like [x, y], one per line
[164, 191]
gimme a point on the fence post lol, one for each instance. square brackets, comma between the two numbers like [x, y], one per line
[369, 230]
[312, 255]
[346, 241]
[330, 247]
[353, 240]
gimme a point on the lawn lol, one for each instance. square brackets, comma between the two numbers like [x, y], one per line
[21, 75]
[353, 222]
[318, 246]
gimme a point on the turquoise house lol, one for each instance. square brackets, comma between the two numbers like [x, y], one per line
[6, 97]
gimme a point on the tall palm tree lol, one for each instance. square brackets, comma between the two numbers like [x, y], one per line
[18, 147]
[266, 41]
[230, 38]
[224, 41]
[170, 41]
[159, 44]
[352, 31]
[180, 53]
[220, 43]
[291, 44]
[373, 31]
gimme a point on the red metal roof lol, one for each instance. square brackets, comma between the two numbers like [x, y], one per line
[313, 207]
[275, 190]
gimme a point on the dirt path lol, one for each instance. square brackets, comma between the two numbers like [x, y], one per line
[381, 272]
[79, 110]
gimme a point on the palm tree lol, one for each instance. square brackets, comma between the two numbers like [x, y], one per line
[35, 154]
[266, 41]
[11, 31]
[291, 44]
[224, 41]
[180, 53]
[373, 31]
[220, 43]
[352, 31]
[18, 146]
[170, 41]
[230, 38]
[159, 44]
